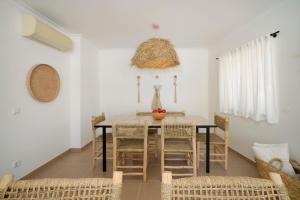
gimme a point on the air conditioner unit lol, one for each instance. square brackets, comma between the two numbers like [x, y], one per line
[37, 30]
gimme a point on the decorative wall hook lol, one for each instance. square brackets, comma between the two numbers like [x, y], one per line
[138, 89]
[175, 88]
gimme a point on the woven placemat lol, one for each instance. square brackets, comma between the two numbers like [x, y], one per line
[43, 82]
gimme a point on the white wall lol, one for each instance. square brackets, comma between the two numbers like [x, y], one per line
[84, 89]
[285, 18]
[75, 93]
[89, 88]
[118, 84]
[41, 130]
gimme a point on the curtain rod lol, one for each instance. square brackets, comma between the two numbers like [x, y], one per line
[274, 35]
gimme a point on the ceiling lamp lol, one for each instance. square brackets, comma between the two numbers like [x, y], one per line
[155, 53]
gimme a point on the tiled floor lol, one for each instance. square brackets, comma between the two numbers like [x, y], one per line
[79, 164]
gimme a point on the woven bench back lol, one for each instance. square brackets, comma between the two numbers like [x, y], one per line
[222, 188]
[63, 189]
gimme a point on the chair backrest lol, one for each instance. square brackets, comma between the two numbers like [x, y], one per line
[126, 130]
[222, 122]
[95, 120]
[171, 113]
[62, 188]
[178, 130]
[143, 113]
[222, 188]
[176, 113]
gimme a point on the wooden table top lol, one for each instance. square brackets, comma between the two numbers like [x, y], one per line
[198, 120]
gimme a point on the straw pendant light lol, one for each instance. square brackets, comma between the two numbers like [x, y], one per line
[155, 53]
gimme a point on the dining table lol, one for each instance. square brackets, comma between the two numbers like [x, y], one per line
[200, 122]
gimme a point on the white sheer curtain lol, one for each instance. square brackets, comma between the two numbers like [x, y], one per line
[248, 81]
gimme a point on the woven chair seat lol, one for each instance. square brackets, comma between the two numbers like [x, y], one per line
[152, 131]
[177, 145]
[109, 145]
[214, 138]
[130, 145]
[109, 138]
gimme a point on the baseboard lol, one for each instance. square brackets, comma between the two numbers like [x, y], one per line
[46, 164]
[56, 158]
[244, 157]
[80, 149]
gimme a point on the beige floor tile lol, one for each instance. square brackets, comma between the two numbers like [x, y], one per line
[150, 190]
[79, 165]
[131, 188]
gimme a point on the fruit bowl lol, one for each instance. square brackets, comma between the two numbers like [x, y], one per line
[159, 114]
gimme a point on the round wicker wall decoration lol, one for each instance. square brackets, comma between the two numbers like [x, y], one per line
[43, 83]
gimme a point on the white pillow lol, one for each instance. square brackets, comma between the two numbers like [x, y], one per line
[267, 152]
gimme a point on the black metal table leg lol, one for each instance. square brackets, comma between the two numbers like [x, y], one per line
[207, 149]
[104, 149]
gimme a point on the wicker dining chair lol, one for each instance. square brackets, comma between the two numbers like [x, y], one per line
[219, 144]
[169, 113]
[130, 139]
[292, 183]
[222, 188]
[176, 113]
[62, 188]
[97, 140]
[153, 144]
[179, 139]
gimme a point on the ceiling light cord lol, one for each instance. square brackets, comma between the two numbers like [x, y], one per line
[156, 28]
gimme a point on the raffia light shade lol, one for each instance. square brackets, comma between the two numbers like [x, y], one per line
[155, 53]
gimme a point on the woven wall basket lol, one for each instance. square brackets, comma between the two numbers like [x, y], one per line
[155, 53]
[43, 83]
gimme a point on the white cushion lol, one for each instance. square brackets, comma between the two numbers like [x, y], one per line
[267, 152]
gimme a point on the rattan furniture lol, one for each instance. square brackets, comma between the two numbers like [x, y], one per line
[153, 143]
[170, 113]
[201, 123]
[219, 144]
[178, 139]
[130, 140]
[97, 148]
[176, 113]
[292, 183]
[153, 146]
[62, 189]
[296, 165]
[222, 188]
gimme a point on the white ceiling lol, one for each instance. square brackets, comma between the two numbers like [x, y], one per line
[126, 23]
